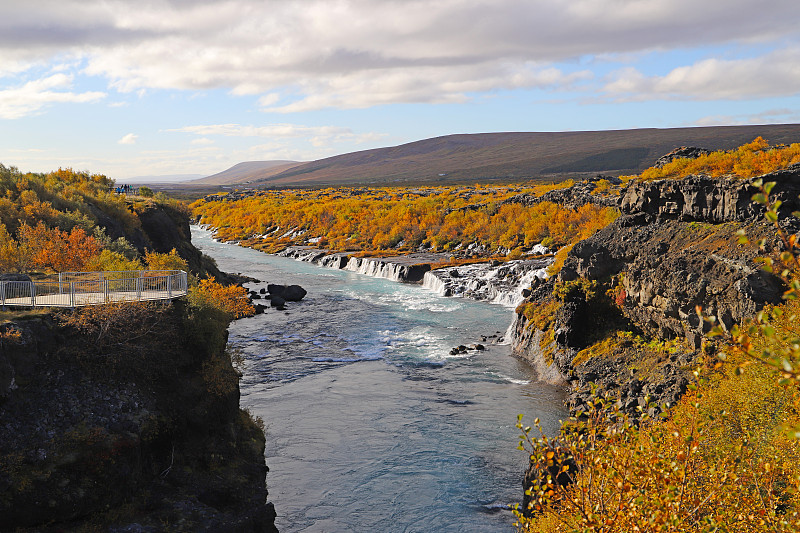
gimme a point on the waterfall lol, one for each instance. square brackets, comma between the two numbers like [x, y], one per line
[497, 283]
[433, 283]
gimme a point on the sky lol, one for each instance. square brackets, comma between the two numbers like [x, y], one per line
[178, 87]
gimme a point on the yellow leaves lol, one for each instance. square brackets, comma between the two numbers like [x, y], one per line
[401, 218]
[231, 299]
[10, 334]
[170, 261]
[747, 161]
[107, 260]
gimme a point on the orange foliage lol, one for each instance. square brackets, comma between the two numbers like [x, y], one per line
[231, 299]
[58, 250]
[747, 161]
[401, 219]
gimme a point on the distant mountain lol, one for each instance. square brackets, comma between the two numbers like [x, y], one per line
[513, 156]
[246, 172]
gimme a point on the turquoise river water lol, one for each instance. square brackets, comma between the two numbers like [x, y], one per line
[371, 425]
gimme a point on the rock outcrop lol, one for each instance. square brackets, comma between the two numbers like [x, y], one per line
[577, 195]
[126, 420]
[706, 199]
[166, 228]
[685, 152]
[673, 250]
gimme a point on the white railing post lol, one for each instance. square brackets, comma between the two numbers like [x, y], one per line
[169, 286]
[105, 290]
[33, 294]
[3, 293]
[139, 287]
[72, 294]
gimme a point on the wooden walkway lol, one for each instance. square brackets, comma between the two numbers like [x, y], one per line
[78, 289]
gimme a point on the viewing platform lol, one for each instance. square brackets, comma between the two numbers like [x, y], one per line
[78, 289]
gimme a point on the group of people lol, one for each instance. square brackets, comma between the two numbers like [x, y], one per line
[125, 189]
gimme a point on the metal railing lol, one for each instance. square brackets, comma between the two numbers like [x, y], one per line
[76, 289]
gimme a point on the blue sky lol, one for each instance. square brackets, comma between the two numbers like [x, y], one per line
[131, 88]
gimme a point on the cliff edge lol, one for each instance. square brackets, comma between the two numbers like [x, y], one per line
[622, 312]
[126, 418]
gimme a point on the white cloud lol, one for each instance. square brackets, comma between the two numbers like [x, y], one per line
[771, 75]
[202, 141]
[31, 97]
[128, 139]
[769, 116]
[304, 55]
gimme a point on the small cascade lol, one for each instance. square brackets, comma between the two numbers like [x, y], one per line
[434, 283]
[376, 268]
[514, 298]
[500, 283]
[497, 283]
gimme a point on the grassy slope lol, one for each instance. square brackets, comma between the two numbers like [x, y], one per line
[463, 158]
[246, 171]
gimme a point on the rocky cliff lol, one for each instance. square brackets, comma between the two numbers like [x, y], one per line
[126, 418]
[622, 312]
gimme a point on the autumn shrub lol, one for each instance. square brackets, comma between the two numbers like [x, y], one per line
[403, 219]
[120, 334]
[169, 261]
[230, 299]
[658, 476]
[41, 247]
[747, 161]
[107, 260]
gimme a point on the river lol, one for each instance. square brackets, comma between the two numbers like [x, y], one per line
[371, 425]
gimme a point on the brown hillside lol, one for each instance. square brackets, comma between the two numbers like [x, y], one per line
[511, 156]
[245, 172]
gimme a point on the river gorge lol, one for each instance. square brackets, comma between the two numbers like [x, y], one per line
[370, 423]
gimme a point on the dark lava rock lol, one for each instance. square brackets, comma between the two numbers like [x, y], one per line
[294, 293]
[14, 277]
[126, 431]
[277, 301]
[710, 200]
[687, 152]
[291, 293]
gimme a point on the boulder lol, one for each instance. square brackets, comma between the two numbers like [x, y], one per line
[294, 293]
[291, 293]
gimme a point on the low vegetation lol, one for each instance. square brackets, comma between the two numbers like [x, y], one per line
[51, 223]
[442, 219]
[748, 161]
